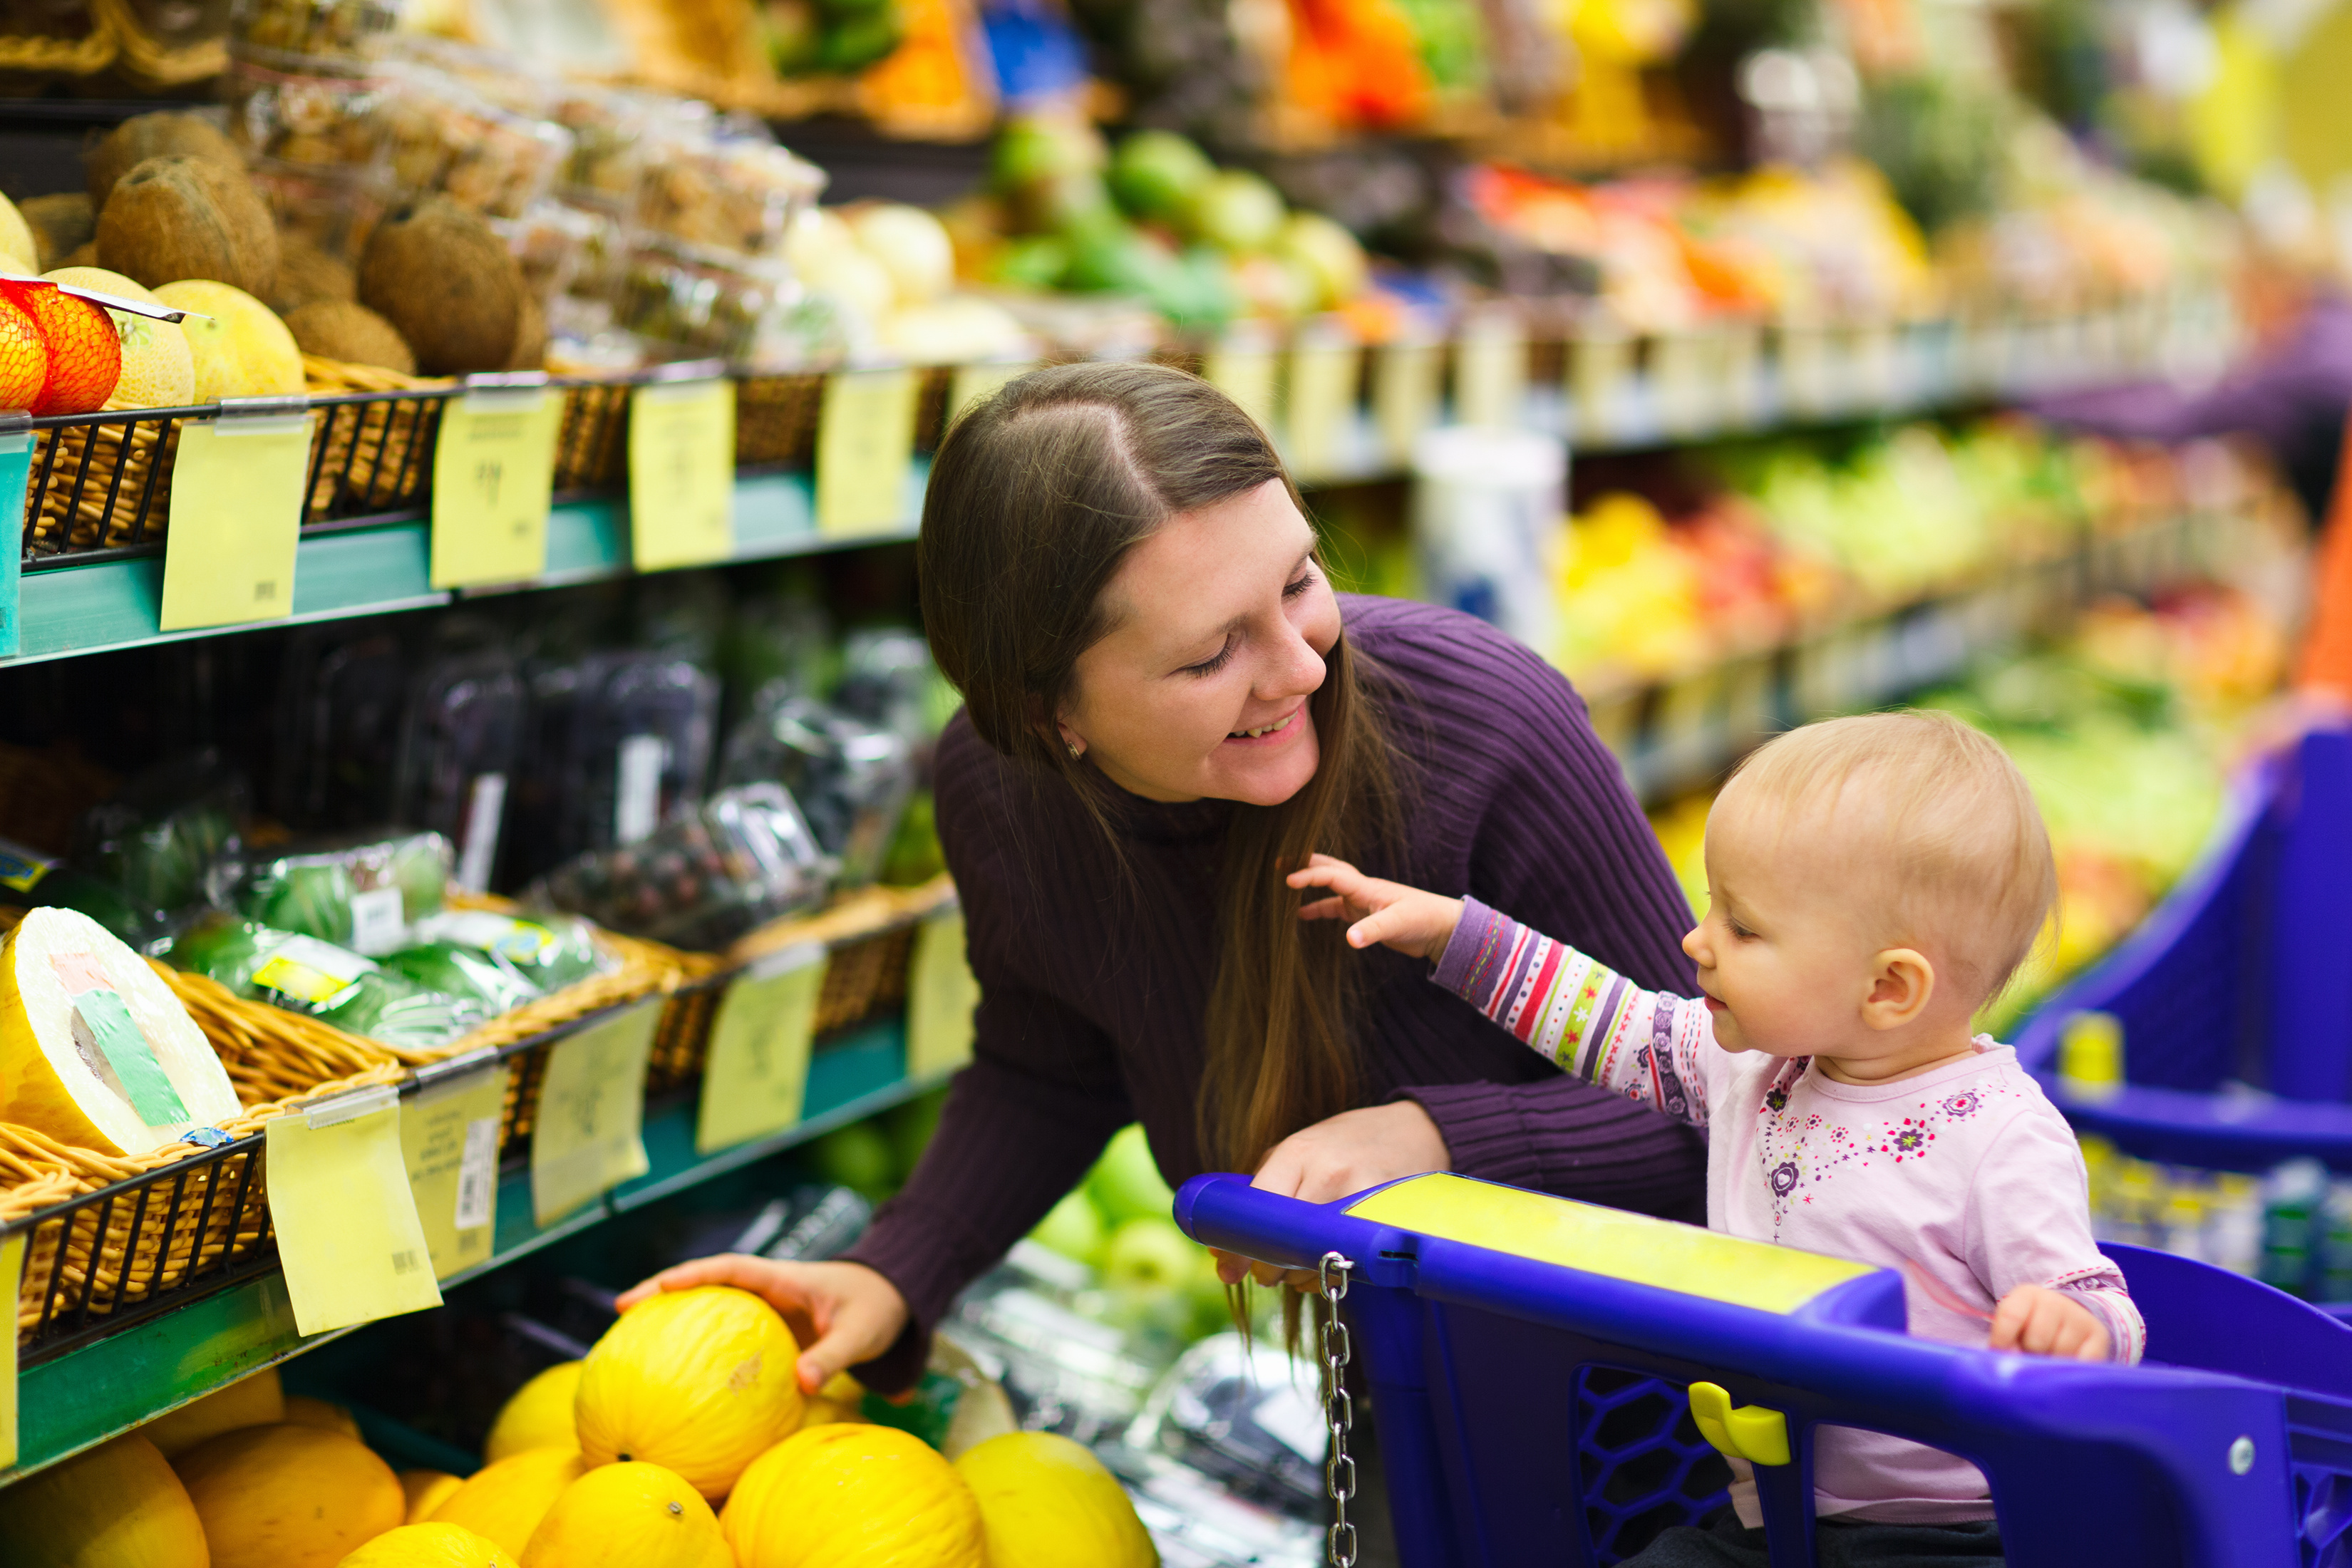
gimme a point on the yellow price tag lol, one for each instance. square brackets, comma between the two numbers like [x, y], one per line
[449, 1141]
[756, 1073]
[1244, 371]
[864, 441]
[941, 994]
[1404, 396]
[681, 474]
[1323, 378]
[973, 382]
[1490, 373]
[236, 517]
[587, 1137]
[348, 1236]
[12, 1274]
[493, 472]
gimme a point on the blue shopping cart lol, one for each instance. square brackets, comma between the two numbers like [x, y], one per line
[2235, 997]
[1553, 1379]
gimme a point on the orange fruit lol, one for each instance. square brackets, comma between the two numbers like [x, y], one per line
[84, 351]
[24, 357]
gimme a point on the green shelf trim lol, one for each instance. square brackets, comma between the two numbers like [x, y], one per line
[82, 1398]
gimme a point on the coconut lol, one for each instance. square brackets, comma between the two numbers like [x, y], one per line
[444, 279]
[146, 136]
[307, 274]
[83, 255]
[530, 337]
[60, 225]
[340, 330]
[182, 217]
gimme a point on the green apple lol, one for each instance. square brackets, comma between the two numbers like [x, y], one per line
[1126, 1183]
[1238, 213]
[1157, 173]
[1072, 1229]
[1150, 1257]
[857, 1156]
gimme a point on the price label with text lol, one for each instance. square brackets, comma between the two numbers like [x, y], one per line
[12, 1271]
[756, 1073]
[347, 1235]
[1405, 379]
[974, 382]
[588, 1135]
[16, 479]
[1244, 372]
[940, 996]
[864, 441]
[236, 518]
[681, 474]
[1323, 377]
[493, 472]
[449, 1139]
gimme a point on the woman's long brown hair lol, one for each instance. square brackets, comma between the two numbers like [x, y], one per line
[1035, 498]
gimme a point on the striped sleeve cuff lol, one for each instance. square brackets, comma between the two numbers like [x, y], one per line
[1472, 964]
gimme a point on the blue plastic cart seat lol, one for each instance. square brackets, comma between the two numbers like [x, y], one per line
[1530, 1408]
[2236, 995]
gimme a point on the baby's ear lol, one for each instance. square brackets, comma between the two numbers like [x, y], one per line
[1902, 982]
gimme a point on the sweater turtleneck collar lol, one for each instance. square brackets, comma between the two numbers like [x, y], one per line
[1165, 822]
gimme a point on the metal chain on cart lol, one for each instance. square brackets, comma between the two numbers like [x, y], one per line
[1338, 1414]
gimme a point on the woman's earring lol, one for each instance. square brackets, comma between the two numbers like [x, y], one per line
[1075, 753]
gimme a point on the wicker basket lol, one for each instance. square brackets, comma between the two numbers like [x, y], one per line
[101, 485]
[775, 419]
[591, 446]
[373, 455]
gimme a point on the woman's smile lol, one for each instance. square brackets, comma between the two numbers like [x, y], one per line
[1281, 730]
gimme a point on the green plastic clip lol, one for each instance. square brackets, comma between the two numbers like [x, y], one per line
[1750, 1432]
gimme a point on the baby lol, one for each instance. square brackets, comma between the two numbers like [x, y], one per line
[1871, 882]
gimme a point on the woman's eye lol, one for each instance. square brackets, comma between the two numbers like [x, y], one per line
[1211, 666]
[1304, 580]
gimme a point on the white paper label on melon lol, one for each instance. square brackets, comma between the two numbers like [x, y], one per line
[89, 1036]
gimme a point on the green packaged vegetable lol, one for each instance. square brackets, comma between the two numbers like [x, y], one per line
[548, 950]
[365, 894]
[304, 974]
[29, 879]
[156, 840]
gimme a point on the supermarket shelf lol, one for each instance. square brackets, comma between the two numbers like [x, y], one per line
[113, 604]
[90, 1393]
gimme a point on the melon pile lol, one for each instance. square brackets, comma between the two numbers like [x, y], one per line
[682, 1441]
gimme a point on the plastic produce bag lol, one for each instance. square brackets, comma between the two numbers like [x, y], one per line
[364, 894]
[549, 950]
[303, 974]
[619, 742]
[459, 751]
[156, 839]
[885, 678]
[745, 857]
[29, 879]
[850, 776]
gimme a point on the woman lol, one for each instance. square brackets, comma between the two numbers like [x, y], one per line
[1166, 705]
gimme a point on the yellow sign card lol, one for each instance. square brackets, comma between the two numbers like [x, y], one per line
[236, 517]
[864, 441]
[1245, 373]
[12, 1274]
[1323, 379]
[681, 474]
[587, 1136]
[493, 472]
[348, 1236]
[1404, 396]
[941, 994]
[1490, 373]
[757, 1071]
[449, 1140]
[974, 382]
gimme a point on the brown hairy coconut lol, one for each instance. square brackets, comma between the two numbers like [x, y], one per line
[307, 274]
[340, 330]
[181, 218]
[447, 282]
[160, 136]
[60, 225]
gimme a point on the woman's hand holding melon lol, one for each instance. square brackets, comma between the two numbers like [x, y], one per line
[843, 1314]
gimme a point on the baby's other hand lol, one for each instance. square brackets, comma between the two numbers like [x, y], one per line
[1406, 919]
[2041, 1321]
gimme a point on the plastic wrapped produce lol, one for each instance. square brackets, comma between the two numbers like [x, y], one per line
[441, 136]
[302, 119]
[733, 192]
[329, 29]
[455, 970]
[459, 745]
[549, 950]
[886, 677]
[29, 879]
[851, 776]
[618, 742]
[155, 839]
[695, 301]
[304, 974]
[744, 858]
[364, 894]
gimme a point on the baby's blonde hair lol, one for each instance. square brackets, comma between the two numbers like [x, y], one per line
[1942, 811]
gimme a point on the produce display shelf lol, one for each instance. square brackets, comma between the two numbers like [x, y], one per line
[111, 605]
[75, 1400]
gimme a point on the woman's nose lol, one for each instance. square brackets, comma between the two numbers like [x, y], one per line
[1296, 670]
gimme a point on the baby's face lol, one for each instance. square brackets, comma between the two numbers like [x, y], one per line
[1784, 961]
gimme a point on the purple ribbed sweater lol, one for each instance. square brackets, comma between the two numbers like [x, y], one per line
[1093, 986]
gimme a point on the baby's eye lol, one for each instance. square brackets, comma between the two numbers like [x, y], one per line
[1741, 931]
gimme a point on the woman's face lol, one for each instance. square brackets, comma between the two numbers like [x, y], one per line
[1219, 624]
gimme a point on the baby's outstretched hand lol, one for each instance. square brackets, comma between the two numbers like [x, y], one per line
[2041, 1321]
[1406, 919]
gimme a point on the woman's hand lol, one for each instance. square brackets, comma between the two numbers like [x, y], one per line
[843, 1314]
[2041, 1321]
[1415, 924]
[1346, 1153]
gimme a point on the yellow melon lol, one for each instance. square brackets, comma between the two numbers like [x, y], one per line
[18, 251]
[288, 1496]
[506, 1501]
[241, 348]
[159, 369]
[700, 1382]
[428, 1546]
[426, 1491]
[1046, 1502]
[843, 1398]
[537, 1416]
[255, 1401]
[626, 1516]
[304, 1411]
[118, 1504]
[888, 1500]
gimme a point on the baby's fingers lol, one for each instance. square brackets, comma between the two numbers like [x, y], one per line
[1324, 909]
[1396, 923]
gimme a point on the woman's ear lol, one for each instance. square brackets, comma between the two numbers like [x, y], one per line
[1902, 983]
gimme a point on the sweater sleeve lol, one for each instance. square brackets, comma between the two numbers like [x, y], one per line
[1582, 1016]
[2028, 1223]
